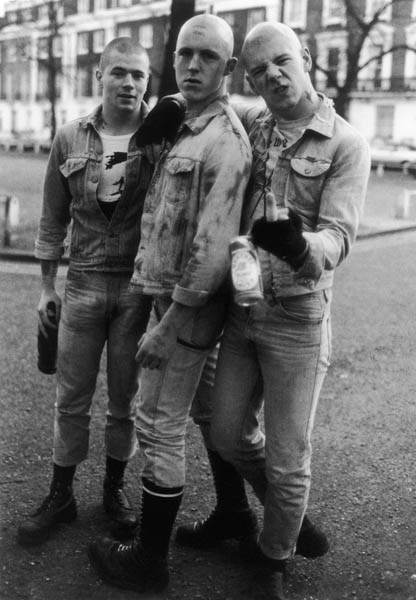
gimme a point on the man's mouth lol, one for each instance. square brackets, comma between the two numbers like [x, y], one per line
[127, 96]
[192, 81]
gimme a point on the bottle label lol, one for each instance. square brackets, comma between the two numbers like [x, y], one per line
[244, 270]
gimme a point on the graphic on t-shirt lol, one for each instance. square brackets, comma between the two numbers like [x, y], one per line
[113, 167]
[115, 158]
[120, 184]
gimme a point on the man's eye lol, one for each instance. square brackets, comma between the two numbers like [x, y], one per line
[258, 72]
[185, 53]
[207, 55]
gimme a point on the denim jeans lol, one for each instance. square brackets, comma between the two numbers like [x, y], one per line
[97, 309]
[273, 355]
[166, 394]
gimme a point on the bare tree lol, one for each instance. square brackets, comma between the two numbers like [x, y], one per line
[51, 63]
[359, 30]
[181, 11]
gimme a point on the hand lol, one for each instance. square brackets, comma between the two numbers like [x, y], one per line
[49, 316]
[156, 347]
[280, 234]
[162, 123]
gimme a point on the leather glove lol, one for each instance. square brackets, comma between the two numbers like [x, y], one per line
[283, 238]
[162, 122]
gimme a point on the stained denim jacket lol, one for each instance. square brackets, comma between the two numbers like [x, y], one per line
[70, 192]
[323, 177]
[193, 208]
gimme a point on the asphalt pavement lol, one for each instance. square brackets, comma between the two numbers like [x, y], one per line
[363, 491]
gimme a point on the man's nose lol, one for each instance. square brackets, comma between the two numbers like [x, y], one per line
[273, 73]
[128, 81]
[194, 63]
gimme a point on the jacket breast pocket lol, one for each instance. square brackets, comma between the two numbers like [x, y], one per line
[307, 179]
[74, 171]
[178, 180]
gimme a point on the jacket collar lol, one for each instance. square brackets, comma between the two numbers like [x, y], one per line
[94, 118]
[198, 123]
[322, 122]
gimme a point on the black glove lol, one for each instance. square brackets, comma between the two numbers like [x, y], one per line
[162, 122]
[282, 238]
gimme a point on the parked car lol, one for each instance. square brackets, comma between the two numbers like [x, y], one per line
[394, 156]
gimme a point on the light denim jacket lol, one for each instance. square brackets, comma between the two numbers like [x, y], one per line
[323, 177]
[193, 208]
[70, 192]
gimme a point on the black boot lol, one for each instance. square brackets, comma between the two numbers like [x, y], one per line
[58, 507]
[232, 517]
[141, 564]
[115, 501]
[268, 582]
[312, 541]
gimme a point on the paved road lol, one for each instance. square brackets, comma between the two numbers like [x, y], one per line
[364, 487]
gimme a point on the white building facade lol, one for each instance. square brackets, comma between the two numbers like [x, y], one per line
[383, 105]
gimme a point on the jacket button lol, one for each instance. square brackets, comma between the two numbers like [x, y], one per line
[94, 178]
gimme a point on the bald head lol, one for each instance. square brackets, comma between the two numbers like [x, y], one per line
[211, 28]
[265, 32]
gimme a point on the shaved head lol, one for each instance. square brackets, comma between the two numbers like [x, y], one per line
[265, 31]
[122, 45]
[216, 28]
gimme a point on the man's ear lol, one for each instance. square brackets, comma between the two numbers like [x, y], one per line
[251, 84]
[230, 65]
[99, 77]
[174, 59]
[307, 59]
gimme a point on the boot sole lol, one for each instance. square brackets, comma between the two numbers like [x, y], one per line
[67, 515]
[126, 585]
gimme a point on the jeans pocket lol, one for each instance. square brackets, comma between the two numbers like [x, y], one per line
[306, 308]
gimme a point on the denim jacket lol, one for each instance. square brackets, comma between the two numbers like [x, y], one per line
[193, 208]
[323, 177]
[70, 192]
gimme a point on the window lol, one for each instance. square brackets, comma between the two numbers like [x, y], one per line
[100, 5]
[384, 121]
[124, 31]
[57, 46]
[414, 10]
[12, 17]
[124, 3]
[43, 12]
[84, 82]
[255, 16]
[83, 42]
[83, 6]
[27, 14]
[47, 118]
[43, 48]
[98, 40]
[374, 5]
[295, 13]
[146, 35]
[11, 52]
[229, 17]
[333, 12]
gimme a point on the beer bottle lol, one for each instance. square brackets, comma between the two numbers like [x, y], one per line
[48, 346]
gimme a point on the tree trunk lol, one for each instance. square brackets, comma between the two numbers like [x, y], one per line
[181, 11]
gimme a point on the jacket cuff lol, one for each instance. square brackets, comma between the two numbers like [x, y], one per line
[48, 251]
[312, 268]
[190, 297]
